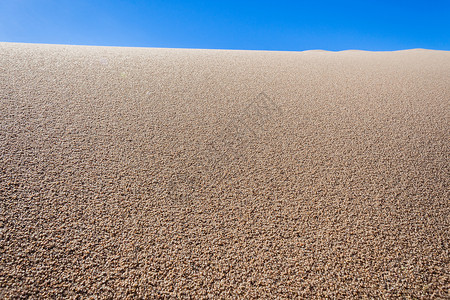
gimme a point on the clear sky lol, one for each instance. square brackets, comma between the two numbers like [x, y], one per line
[252, 25]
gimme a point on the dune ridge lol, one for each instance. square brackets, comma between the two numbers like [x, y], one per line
[160, 173]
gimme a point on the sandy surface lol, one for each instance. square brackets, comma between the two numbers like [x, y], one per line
[223, 174]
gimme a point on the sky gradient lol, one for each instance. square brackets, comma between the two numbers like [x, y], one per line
[250, 25]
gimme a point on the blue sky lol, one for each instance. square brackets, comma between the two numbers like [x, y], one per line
[251, 25]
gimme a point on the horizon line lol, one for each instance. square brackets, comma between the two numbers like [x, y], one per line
[220, 49]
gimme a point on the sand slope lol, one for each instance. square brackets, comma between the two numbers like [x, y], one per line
[223, 174]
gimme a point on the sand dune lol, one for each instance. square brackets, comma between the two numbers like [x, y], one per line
[223, 174]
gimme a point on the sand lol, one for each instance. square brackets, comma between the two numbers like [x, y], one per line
[160, 173]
